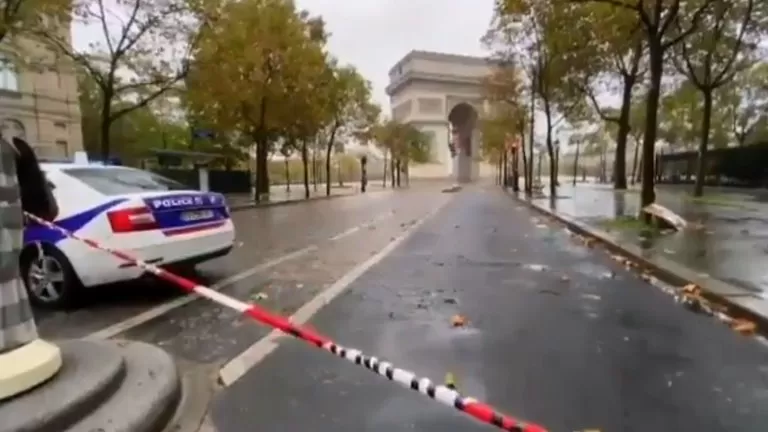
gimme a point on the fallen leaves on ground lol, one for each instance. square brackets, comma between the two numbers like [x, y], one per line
[450, 381]
[459, 320]
[743, 326]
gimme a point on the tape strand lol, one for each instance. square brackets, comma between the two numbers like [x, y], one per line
[447, 396]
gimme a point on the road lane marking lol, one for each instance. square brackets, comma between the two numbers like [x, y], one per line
[257, 352]
[164, 308]
[354, 229]
[343, 234]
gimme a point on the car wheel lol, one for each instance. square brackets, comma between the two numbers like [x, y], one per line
[49, 277]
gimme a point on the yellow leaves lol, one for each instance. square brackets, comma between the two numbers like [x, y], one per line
[255, 68]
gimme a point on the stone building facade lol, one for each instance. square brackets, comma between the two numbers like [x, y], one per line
[39, 98]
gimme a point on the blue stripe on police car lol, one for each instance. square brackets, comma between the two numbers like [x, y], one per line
[39, 233]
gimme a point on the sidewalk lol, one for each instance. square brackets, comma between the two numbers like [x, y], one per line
[279, 195]
[733, 246]
[726, 256]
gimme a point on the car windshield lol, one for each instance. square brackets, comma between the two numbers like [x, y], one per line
[118, 181]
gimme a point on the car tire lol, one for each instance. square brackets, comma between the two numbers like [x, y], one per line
[50, 280]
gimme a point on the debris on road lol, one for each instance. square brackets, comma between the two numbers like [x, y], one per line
[459, 321]
[260, 296]
[744, 327]
[536, 267]
[450, 381]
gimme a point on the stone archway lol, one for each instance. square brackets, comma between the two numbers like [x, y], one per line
[463, 119]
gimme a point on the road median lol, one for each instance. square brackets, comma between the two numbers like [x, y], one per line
[738, 303]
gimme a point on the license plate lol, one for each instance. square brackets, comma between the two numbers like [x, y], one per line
[193, 216]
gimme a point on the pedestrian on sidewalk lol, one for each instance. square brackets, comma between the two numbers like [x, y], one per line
[23, 187]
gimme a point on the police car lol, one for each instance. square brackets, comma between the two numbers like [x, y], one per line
[149, 216]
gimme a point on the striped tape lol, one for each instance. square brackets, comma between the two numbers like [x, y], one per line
[448, 396]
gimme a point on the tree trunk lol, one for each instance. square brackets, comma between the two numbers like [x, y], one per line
[363, 174]
[392, 171]
[525, 157]
[328, 171]
[656, 60]
[305, 168]
[328, 152]
[384, 175]
[104, 126]
[314, 166]
[634, 162]
[262, 173]
[531, 133]
[398, 168]
[515, 170]
[551, 153]
[576, 162]
[505, 169]
[706, 124]
[620, 163]
[287, 176]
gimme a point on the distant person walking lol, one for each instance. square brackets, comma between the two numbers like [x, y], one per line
[23, 187]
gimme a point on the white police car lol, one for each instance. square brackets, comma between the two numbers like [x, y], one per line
[147, 215]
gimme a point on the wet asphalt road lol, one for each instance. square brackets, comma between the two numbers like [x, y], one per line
[558, 334]
[262, 235]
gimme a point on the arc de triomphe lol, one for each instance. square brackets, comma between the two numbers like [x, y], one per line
[442, 95]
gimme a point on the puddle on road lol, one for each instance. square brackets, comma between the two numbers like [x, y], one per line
[536, 267]
[594, 270]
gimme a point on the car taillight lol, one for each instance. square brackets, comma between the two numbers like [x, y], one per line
[132, 220]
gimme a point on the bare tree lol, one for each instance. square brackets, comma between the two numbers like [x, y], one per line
[143, 52]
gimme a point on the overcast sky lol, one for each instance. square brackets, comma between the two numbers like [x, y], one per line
[374, 34]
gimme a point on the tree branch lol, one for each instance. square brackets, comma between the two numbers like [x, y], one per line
[725, 76]
[692, 28]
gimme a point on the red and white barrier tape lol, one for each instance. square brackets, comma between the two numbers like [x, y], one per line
[480, 411]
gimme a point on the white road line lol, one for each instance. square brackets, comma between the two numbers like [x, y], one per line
[380, 218]
[343, 234]
[162, 309]
[254, 354]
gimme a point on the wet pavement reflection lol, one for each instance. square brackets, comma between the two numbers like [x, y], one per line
[731, 244]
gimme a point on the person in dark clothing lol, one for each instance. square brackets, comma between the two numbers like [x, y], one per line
[36, 195]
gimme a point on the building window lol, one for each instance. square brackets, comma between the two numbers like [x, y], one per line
[60, 125]
[9, 77]
[63, 148]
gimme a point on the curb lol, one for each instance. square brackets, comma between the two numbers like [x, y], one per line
[240, 207]
[740, 303]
